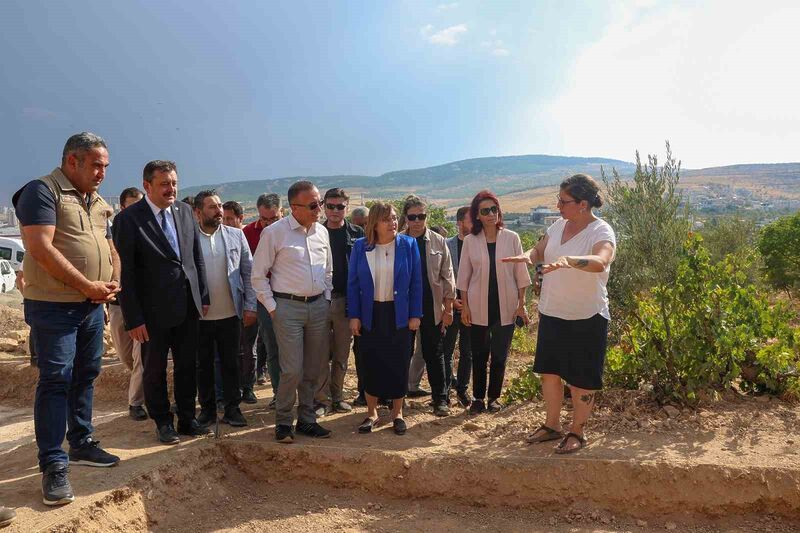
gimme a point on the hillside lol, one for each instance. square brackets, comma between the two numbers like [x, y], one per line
[524, 181]
[449, 183]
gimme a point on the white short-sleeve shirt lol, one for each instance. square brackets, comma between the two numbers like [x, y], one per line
[569, 293]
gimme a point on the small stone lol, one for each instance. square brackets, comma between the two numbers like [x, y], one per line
[641, 523]
[671, 526]
[553, 521]
[789, 441]
[406, 464]
[671, 411]
[8, 345]
[471, 426]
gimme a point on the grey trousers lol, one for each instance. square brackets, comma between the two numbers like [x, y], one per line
[301, 330]
[129, 352]
[340, 340]
[417, 369]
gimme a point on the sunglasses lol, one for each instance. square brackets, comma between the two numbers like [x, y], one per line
[313, 206]
[559, 201]
[338, 207]
[421, 216]
[486, 210]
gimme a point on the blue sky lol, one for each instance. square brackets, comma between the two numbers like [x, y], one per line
[248, 90]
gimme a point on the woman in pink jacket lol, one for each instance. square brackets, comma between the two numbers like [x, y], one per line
[493, 296]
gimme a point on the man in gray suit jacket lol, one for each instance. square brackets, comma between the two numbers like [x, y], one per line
[233, 302]
[457, 329]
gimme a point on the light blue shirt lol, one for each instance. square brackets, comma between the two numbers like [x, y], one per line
[171, 234]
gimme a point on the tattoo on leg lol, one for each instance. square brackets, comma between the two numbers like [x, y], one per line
[580, 263]
[587, 398]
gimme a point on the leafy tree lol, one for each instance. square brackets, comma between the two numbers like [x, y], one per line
[651, 223]
[779, 244]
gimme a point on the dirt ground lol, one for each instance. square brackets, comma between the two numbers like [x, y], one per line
[731, 465]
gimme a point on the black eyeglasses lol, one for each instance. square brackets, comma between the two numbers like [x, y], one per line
[421, 216]
[559, 201]
[338, 207]
[313, 206]
[486, 210]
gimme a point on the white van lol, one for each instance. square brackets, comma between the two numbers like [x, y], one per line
[12, 250]
[7, 277]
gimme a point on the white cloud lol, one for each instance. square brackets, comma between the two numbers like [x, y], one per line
[719, 82]
[426, 30]
[447, 7]
[448, 36]
[501, 52]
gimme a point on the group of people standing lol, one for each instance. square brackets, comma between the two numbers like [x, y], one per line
[193, 282]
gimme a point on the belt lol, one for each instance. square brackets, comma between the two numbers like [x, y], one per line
[287, 296]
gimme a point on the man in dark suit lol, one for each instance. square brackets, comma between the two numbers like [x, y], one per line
[165, 294]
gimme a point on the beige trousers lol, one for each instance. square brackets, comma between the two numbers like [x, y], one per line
[129, 352]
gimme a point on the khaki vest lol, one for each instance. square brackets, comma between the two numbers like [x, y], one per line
[80, 236]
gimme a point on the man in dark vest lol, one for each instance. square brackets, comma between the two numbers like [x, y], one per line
[71, 271]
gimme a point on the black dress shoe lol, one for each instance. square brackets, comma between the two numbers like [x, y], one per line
[284, 434]
[494, 406]
[440, 408]
[137, 412]
[463, 398]
[234, 418]
[360, 401]
[206, 418]
[248, 396]
[419, 393]
[167, 435]
[477, 407]
[193, 429]
[399, 426]
[313, 430]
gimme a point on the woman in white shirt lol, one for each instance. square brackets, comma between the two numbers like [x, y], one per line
[577, 252]
[384, 304]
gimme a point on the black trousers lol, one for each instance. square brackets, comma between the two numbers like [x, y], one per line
[247, 359]
[182, 341]
[224, 335]
[462, 332]
[431, 337]
[489, 342]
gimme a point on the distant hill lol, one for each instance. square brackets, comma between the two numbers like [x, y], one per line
[523, 181]
[449, 183]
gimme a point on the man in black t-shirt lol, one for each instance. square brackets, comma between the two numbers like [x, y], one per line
[342, 235]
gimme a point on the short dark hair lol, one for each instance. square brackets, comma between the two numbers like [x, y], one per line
[236, 207]
[461, 213]
[441, 230]
[200, 197]
[158, 166]
[82, 142]
[188, 200]
[336, 192]
[583, 187]
[298, 187]
[477, 225]
[270, 200]
[130, 192]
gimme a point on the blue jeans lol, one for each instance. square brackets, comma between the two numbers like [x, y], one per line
[267, 336]
[69, 344]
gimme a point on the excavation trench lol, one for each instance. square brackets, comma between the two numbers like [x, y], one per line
[242, 485]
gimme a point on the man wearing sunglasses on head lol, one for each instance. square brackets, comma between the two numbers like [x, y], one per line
[292, 277]
[342, 235]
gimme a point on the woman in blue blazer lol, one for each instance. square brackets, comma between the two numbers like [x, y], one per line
[384, 304]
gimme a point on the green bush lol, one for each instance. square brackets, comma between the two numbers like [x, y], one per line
[525, 387]
[779, 244]
[701, 330]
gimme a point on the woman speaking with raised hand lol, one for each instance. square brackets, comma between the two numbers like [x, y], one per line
[577, 252]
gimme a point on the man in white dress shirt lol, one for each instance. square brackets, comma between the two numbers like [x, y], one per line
[296, 254]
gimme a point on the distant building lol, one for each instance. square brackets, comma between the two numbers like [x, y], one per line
[549, 220]
[539, 214]
[12, 218]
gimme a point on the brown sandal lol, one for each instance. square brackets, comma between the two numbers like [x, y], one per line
[562, 449]
[548, 435]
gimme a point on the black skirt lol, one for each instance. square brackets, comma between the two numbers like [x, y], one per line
[572, 349]
[385, 353]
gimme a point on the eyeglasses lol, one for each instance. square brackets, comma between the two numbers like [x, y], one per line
[486, 210]
[559, 201]
[389, 220]
[313, 206]
[421, 216]
[338, 207]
